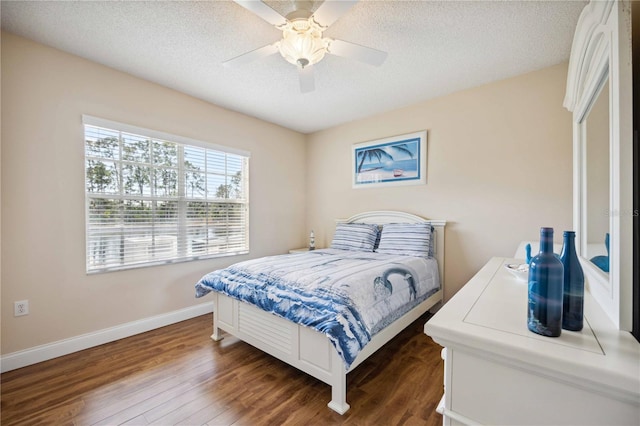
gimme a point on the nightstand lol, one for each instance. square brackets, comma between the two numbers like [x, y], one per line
[299, 250]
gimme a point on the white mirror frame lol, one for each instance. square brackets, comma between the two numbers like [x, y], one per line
[602, 49]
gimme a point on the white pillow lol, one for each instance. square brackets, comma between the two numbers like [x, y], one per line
[355, 236]
[410, 239]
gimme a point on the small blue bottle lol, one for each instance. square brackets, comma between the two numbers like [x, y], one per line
[573, 299]
[546, 277]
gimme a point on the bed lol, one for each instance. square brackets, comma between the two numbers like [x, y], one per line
[278, 305]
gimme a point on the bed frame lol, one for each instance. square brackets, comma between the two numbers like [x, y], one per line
[307, 349]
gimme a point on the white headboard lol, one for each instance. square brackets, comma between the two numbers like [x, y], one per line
[383, 217]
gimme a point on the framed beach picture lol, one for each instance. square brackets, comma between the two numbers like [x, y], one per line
[397, 160]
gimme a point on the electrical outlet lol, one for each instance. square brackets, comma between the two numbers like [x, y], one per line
[20, 308]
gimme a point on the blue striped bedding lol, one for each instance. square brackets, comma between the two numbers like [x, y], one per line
[347, 295]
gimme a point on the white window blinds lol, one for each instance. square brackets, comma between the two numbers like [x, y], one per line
[153, 198]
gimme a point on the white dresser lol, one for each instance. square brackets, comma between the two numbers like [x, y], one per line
[498, 372]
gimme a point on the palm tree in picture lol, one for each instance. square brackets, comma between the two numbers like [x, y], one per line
[379, 154]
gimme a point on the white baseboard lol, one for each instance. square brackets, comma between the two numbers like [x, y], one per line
[48, 351]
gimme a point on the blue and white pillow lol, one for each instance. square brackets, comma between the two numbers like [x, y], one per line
[408, 239]
[355, 236]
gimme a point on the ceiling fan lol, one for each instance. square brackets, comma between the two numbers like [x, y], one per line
[302, 43]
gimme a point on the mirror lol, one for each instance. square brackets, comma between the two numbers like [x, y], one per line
[600, 79]
[597, 181]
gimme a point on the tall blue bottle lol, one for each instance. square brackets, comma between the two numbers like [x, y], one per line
[573, 299]
[546, 275]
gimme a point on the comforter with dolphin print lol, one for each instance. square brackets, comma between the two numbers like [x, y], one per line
[347, 295]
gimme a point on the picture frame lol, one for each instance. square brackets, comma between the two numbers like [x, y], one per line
[392, 161]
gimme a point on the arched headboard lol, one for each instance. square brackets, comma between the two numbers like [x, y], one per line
[383, 217]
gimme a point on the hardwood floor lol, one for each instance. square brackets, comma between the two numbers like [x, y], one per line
[178, 375]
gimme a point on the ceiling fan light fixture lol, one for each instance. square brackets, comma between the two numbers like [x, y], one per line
[302, 43]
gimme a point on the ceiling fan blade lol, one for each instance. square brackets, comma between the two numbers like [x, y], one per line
[307, 80]
[330, 11]
[355, 51]
[263, 11]
[254, 55]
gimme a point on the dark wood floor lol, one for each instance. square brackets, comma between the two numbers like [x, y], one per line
[178, 375]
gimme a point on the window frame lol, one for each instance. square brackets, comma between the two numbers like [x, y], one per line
[182, 201]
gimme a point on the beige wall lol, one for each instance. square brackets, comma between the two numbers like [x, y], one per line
[499, 167]
[44, 94]
[598, 172]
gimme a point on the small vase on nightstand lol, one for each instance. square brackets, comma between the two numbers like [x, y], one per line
[573, 299]
[546, 275]
[312, 241]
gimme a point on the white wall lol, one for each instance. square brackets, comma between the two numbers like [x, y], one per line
[499, 167]
[44, 94]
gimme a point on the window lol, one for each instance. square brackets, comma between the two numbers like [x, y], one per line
[153, 198]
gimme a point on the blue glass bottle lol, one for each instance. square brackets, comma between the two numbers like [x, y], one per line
[546, 276]
[573, 299]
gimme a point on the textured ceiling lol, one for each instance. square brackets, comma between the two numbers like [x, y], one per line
[435, 48]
